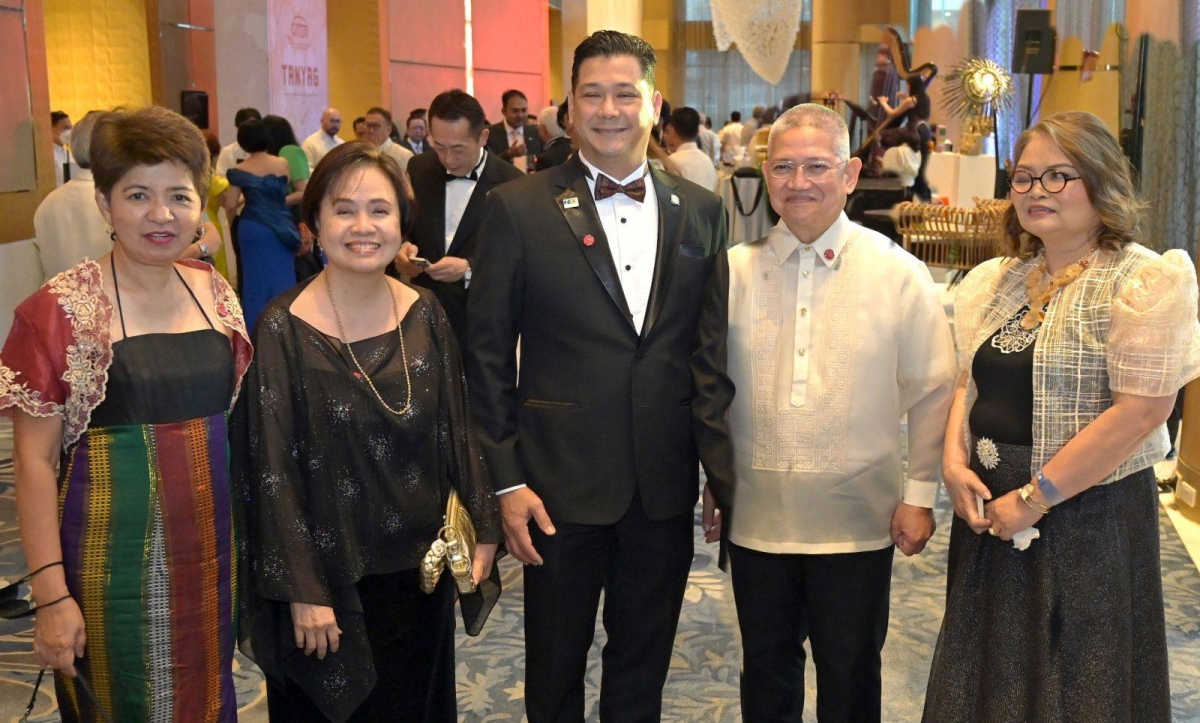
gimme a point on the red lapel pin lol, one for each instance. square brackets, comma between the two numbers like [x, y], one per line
[829, 254]
[589, 240]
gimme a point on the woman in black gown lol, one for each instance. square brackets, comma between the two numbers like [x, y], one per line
[358, 429]
[1072, 349]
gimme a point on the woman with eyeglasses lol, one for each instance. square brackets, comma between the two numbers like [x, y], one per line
[121, 372]
[1072, 347]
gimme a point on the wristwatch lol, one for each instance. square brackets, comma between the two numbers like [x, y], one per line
[467, 273]
[1028, 498]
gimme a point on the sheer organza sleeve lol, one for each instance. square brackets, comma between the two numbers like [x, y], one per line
[466, 468]
[286, 563]
[1154, 341]
[973, 298]
[463, 459]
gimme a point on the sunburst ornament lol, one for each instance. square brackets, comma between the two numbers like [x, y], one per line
[978, 87]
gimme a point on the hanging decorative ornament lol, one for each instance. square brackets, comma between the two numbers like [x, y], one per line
[764, 30]
[977, 89]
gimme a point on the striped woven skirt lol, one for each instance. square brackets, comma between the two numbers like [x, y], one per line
[147, 540]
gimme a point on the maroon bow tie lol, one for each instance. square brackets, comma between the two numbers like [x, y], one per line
[606, 187]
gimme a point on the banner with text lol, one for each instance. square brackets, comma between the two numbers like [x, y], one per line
[298, 40]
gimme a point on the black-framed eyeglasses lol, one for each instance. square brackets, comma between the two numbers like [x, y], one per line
[1052, 181]
[812, 171]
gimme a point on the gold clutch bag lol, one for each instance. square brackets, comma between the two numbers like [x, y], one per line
[454, 546]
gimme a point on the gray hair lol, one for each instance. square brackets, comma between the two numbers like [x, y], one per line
[548, 119]
[81, 139]
[815, 115]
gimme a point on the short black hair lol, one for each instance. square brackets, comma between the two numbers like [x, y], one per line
[360, 119]
[253, 137]
[563, 110]
[454, 105]
[686, 122]
[509, 95]
[279, 133]
[245, 114]
[736, 116]
[56, 116]
[610, 43]
[380, 111]
[418, 113]
[339, 165]
[664, 113]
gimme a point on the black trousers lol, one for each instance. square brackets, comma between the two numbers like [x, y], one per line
[642, 567]
[412, 646]
[839, 603]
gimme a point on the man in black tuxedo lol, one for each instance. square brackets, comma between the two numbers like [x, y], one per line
[513, 139]
[450, 186]
[614, 277]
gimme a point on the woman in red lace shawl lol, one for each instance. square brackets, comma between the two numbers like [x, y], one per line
[120, 373]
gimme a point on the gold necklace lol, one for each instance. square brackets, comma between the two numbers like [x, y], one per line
[403, 357]
[1040, 290]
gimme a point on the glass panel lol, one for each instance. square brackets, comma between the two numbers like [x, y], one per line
[717, 82]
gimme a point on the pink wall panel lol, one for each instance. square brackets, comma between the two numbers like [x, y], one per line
[428, 32]
[510, 50]
[511, 35]
[413, 86]
[490, 85]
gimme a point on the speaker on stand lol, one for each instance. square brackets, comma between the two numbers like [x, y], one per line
[1033, 50]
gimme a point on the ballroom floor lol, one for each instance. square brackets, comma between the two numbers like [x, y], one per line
[705, 669]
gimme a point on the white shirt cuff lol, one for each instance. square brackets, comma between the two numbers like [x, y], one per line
[920, 493]
[506, 490]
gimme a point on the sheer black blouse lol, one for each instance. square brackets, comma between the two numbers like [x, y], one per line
[335, 486]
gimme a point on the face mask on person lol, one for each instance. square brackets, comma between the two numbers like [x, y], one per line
[66, 137]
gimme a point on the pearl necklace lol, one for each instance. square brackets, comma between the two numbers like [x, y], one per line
[403, 357]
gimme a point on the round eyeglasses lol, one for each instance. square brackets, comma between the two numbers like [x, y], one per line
[1052, 181]
[812, 171]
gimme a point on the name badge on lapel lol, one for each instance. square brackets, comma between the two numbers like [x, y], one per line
[571, 202]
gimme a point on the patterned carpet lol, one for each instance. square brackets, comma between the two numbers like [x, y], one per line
[704, 672]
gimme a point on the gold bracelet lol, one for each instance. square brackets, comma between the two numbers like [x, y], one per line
[1027, 496]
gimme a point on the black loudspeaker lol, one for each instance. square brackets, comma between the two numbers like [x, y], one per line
[1033, 45]
[193, 105]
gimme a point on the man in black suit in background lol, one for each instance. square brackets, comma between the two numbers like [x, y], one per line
[614, 277]
[513, 139]
[450, 186]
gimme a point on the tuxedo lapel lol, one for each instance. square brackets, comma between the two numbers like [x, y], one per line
[435, 212]
[672, 210]
[579, 209]
[474, 210]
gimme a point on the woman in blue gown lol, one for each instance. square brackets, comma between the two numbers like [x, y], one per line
[267, 234]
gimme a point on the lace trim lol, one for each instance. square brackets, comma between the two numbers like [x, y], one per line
[88, 359]
[1014, 338]
[814, 437]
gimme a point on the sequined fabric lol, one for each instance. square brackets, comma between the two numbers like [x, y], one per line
[1071, 629]
[337, 488]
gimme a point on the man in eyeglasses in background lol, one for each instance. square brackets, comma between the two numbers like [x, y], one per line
[835, 333]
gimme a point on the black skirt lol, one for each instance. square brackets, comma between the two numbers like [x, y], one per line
[1071, 629]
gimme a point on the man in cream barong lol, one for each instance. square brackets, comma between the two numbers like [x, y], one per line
[835, 334]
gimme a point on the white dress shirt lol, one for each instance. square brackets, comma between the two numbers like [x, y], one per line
[317, 145]
[458, 195]
[830, 345]
[695, 165]
[397, 151]
[61, 158]
[632, 232]
[516, 136]
[69, 226]
[229, 157]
